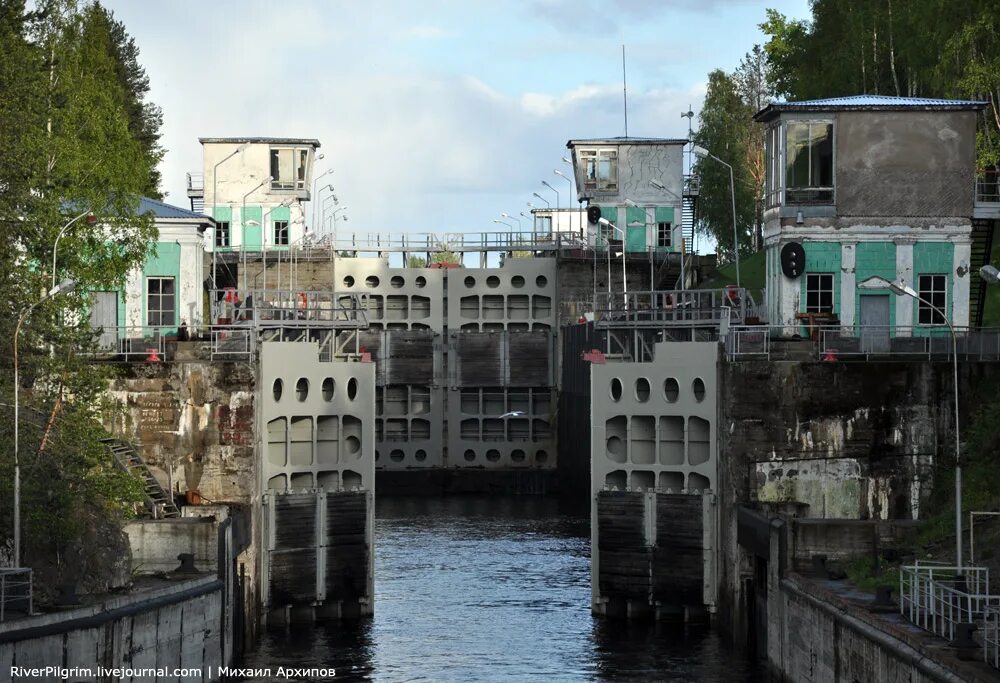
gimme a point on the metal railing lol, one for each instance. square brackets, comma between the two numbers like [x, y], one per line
[908, 341]
[690, 308]
[458, 242]
[988, 186]
[991, 637]
[932, 596]
[133, 341]
[196, 181]
[231, 343]
[748, 341]
[289, 308]
[15, 592]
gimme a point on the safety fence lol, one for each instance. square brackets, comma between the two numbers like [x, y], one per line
[664, 308]
[15, 592]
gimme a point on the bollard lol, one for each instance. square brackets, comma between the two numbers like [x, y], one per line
[965, 644]
[187, 564]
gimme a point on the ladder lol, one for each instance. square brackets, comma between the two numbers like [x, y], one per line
[982, 243]
[159, 503]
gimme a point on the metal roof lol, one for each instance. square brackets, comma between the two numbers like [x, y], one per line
[868, 103]
[313, 142]
[162, 210]
[626, 141]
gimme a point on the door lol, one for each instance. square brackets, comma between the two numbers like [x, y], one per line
[875, 323]
[104, 317]
[253, 232]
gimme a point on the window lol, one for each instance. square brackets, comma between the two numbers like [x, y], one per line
[600, 169]
[281, 233]
[288, 168]
[161, 308]
[222, 233]
[772, 166]
[809, 162]
[543, 224]
[933, 289]
[819, 293]
[663, 234]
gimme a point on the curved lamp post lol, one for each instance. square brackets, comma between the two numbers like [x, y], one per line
[91, 219]
[62, 288]
[900, 289]
[243, 230]
[507, 215]
[605, 222]
[215, 204]
[569, 195]
[703, 153]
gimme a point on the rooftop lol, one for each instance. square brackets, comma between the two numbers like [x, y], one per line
[313, 142]
[867, 103]
[626, 141]
[162, 210]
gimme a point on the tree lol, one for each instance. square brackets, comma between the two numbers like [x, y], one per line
[416, 262]
[73, 149]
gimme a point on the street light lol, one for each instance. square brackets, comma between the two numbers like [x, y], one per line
[499, 222]
[989, 274]
[570, 181]
[215, 204]
[663, 188]
[91, 219]
[901, 289]
[548, 204]
[62, 288]
[605, 222]
[316, 193]
[546, 184]
[243, 230]
[703, 153]
[507, 215]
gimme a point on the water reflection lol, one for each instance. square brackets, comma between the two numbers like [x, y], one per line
[492, 588]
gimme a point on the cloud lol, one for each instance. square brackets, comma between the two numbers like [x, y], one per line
[427, 32]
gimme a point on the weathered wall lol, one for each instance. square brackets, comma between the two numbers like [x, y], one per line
[847, 440]
[127, 631]
[156, 543]
[918, 164]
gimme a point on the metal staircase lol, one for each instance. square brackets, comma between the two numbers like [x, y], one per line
[982, 243]
[159, 503]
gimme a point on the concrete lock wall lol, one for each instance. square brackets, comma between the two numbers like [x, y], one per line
[156, 543]
[654, 438]
[317, 474]
[171, 627]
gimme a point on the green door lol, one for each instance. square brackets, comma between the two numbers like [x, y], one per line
[635, 228]
[252, 238]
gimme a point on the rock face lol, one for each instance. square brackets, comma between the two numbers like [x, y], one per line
[836, 440]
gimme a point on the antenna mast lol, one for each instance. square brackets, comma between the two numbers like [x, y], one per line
[624, 90]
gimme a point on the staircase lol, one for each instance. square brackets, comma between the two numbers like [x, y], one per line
[159, 503]
[669, 272]
[982, 243]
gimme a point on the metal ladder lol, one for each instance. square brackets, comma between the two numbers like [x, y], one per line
[159, 503]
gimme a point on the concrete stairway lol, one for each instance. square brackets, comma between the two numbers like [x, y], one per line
[159, 503]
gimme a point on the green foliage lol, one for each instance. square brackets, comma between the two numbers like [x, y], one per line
[862, 573]
[416, 262]
[445, 257]
[71, 143]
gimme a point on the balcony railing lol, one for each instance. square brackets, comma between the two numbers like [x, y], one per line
[15, 592]
[666, 308]
[988, 187]
[196, 182]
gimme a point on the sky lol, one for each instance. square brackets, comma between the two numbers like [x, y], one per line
[436, 116]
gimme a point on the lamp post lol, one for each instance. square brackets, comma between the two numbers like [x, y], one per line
[315, 194]
[570, 195]
[333, 214]
[900, 289]
[322, 213]
[263, 229]
[546, 184]
[499, 222]
[507, 215]
[55, 247]
[548, 204]
[215, 204]
[243, 230]
[703, 153]
[605, 222]
[62, 288]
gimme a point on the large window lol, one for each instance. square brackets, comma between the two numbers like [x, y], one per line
[819, 292]
[543, 225]
[600, 169]
[222, 233]
[933, 289]
[808, 162]
[281, 233]
[772, 165]
[664, 234]
[161, 302]
[288, 168]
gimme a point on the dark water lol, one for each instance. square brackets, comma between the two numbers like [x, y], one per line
[481, 589]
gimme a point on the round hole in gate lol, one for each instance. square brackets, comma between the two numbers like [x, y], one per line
[352, 388]
[698, 386]
[396, 455]
[470, 281]
[642, 390]
[352, 444]
[492, 282]
[420, 455]
[517, 281]
[470, 455]
[541, 457]
[277, 388]
[517, 455]
[493, 455]
[616, 389]
[420, 281]
[348, 280]
[302, 389]
[541, 281]
[371, 281]
[671, 390]
[328, 388]
[397, 281]
[377, 456]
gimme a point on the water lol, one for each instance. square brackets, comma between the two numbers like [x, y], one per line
[480, 589]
